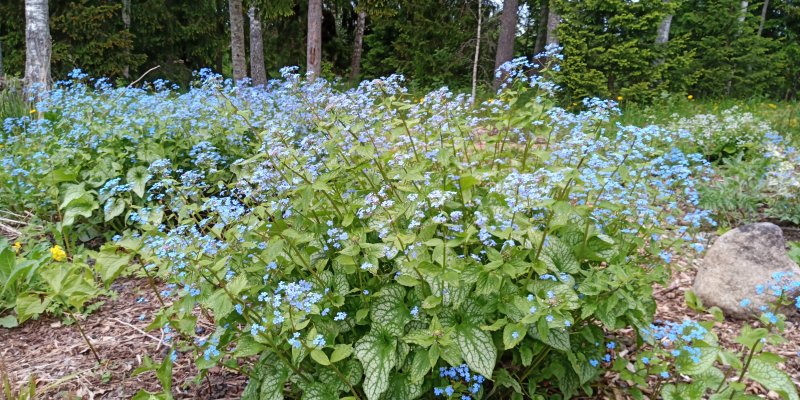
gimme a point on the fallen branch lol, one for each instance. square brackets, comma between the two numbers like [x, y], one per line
[160, 341]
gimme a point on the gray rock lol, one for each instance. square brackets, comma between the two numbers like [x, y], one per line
[738, 261]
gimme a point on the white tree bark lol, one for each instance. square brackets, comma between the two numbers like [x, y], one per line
[38, 48]
[126, 21]
[358, 46]
[764, 9]
[258, 70]
[237, 40]
[742, 16]
[553, 19]
[663, 29]
[314, 39]
[477, 52]
[2, 71]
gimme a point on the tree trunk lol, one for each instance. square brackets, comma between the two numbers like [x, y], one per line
[553, 19]
[744, 6]
[314, 39]
[126, 22]
[258, 70]
[763, 17]
[541, 29]
[355, 65]
[662, 36]
[2, 71]
[237, 40]
[38, 48]
[508, 34]
[477, 52]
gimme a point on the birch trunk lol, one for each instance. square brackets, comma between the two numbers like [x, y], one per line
[743, 14]
[553, 19]
[763, 17]
[662, 36]
[258, 70]
[126, 22]
[358, 43]
[314, 39]
[477, 52]
[508, 34]
[38, 48]
[237, 40]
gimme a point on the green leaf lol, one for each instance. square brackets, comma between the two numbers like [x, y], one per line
[247, 346]
[9, 321]
[707, 357]
[110, 264]
[559, 257]
[340, 352]
[772, 378]
[477, 348]
[420, 365]
[401, 387]
[320, 357]
[267, 380]
[388, 310]
[82, 206]
[219, 303]
[692, 301]
[30, 305]
[556, 338]
[377, 353]
[509, 341]
[504, 379]
[164, 374]
[71, 193]
[113, 208]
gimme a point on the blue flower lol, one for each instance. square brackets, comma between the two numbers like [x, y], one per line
[744, 303]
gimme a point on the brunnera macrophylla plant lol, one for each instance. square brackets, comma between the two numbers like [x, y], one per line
[684, 360]
[368, 243]
[377, 245]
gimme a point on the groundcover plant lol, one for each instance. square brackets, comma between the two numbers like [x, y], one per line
[366, 243]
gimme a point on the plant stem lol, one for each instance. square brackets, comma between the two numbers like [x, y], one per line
[83, 334]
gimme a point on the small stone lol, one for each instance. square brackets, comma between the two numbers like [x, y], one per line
[737, 262]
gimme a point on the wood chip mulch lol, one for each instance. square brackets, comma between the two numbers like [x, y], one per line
[64, 367]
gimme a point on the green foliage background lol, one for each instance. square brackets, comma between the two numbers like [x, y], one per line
[609, 45]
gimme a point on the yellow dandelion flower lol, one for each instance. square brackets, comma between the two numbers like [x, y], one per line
[619, 98]
[16, 246]
[33, 111]
[58, 253]
[689, 97]
[772, 105]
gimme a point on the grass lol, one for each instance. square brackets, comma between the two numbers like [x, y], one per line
[12, 104]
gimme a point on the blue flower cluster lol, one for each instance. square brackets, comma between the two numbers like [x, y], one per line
[462, 382]
[677, 338]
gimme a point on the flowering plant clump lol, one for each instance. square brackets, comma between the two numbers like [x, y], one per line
[725, 134]
[365, 243]
[686, 360]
